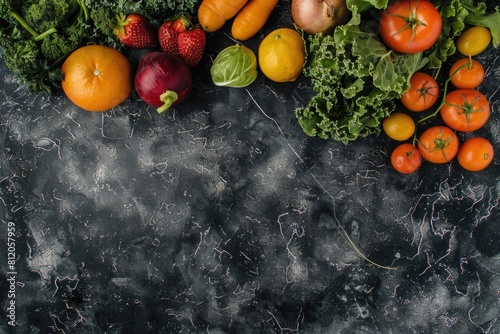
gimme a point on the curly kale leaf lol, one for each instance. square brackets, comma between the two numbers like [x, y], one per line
[56, 46]
[47, 14]
[36, 36]
[21, 56]
[23, 59]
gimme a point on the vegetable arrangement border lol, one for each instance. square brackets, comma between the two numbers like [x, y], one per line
[356, 78]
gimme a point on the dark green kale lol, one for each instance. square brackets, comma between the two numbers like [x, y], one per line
[36, 36]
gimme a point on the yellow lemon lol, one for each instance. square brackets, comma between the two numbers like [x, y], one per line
[282, 55]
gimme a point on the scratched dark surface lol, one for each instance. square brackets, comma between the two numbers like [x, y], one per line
[222, 216]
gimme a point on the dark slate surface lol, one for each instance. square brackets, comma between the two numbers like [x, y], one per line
[222, 216]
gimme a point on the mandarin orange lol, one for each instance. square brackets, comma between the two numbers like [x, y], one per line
[97, 77]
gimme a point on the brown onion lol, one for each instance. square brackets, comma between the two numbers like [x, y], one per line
[319, 16]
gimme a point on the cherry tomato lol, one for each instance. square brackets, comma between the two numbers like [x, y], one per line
[438, 144]
[399, 126]
[423, 92]
[406, 158]
[466, 73]
[465, 110]
[473, 41]
[410, 26]
[475, 154]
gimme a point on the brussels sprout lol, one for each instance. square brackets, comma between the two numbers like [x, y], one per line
[235, 66]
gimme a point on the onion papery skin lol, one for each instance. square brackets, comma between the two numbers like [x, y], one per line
[319, 16]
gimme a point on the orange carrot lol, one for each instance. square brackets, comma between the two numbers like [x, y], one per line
[212, 14]
[251, 18]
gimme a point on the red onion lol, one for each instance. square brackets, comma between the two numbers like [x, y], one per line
[162, 80]
[319, 16]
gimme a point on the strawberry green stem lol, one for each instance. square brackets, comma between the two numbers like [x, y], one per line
[119, 23]
[167, 98]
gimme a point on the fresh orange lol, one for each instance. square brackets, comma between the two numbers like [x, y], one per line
[96, 77]
[282, 55]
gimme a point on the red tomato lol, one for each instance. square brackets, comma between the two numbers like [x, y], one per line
[466, 76]
[438, 144]
[465, 110]
[410, 26]
[423, 92]
[406, 158]
[475, 154]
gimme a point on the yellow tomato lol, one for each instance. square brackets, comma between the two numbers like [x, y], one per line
[473, 41]
[399, 126]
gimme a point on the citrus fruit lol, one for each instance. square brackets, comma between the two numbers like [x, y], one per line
[281, 55]
[96, 77]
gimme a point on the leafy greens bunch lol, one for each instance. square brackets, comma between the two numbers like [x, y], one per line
[36, 36]
[357, 79]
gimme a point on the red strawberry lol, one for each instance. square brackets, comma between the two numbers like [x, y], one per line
[192, 45]
[135, 31]
[168, 32]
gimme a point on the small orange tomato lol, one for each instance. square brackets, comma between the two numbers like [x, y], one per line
[465, 110]
[423, 92]
[406, 158]
[475, 154]
[466, 73]
[438, 144]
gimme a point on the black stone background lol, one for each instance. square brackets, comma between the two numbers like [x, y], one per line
[222, 216]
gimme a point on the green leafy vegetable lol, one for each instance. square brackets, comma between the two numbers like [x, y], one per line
[235, 66]
[37, 35]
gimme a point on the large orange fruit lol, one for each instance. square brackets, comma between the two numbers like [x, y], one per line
[97, 77]
[282, 55]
